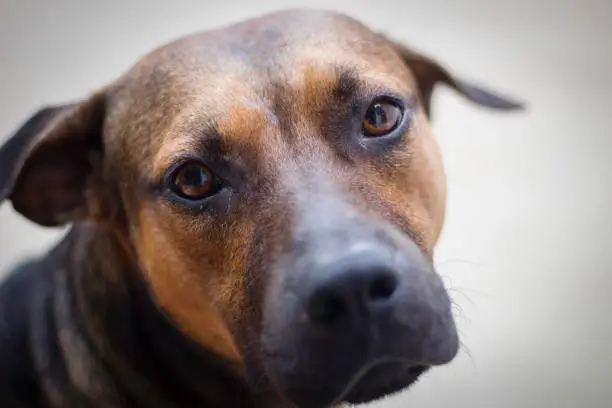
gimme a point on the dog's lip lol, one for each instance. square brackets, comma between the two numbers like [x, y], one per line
[355, 380]
[367, 368]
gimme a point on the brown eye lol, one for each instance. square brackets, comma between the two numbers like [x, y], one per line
[194, 181]
[381, 118]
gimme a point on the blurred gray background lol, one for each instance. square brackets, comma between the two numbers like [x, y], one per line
[526, 248]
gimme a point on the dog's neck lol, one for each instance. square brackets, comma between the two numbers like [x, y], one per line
[109, 329]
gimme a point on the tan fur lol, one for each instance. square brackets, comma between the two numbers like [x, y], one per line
[174, 268]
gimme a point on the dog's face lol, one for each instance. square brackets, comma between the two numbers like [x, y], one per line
[281, 189]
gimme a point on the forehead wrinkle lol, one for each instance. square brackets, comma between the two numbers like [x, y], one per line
[317, 83]
[374, 60]
[198, 112]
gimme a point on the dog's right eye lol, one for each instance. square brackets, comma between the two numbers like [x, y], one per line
[194, 181]
[381, 118]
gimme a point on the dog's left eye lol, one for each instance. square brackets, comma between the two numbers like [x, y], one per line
[381, 118]
[194, 181]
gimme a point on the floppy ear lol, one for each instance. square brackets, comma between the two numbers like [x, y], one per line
[47, 166]
[429, 73]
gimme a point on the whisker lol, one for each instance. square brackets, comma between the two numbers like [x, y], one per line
[463, 295]
[464, 348]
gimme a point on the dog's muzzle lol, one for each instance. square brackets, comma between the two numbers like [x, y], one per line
[356, 312]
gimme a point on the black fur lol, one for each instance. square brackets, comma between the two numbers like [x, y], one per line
[145, 360]
[19, 385]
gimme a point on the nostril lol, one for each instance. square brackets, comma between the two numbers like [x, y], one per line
[351, 294]
[382, 287]
[326, 308]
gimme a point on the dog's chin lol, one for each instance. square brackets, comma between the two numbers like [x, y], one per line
[371, 384]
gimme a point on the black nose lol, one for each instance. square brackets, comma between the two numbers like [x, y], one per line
[350, 289]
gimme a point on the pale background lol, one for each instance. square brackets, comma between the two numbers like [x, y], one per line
[527, 244]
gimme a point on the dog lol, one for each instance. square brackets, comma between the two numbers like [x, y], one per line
[253, 215]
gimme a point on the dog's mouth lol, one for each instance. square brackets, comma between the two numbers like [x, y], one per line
[380, 380]
[373, 381]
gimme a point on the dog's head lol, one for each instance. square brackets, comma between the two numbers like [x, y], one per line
[282, 191]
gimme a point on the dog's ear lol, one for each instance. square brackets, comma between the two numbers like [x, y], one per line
[430, 73]
[47, 165]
